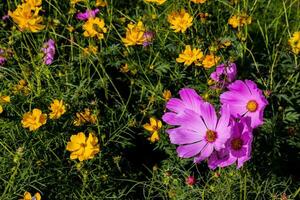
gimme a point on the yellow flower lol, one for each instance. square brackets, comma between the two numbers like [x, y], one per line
[22, 86]
[294, 42]
[83, 148]
[189, 56]
[33, 120]
[210, 60]
[85, 117]
[167, 95]
[91, 49]
[124, 68]
[101, 3]
[27, 196]
[158, 2]
[134, 34]
[57, 109]
[3, 100]
[180, 21]
[27, 18]
[153, 127]
[33, 3]
[73, 2]
[239, 20]
[198, 1]
[94, 27]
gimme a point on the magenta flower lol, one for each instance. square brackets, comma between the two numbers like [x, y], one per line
[245, 99]
[201, 133]
[87, 14]
[224, 74]
[238, 147]
[189, 99]
[49, 51]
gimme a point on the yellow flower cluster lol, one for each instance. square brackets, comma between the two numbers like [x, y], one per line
[22, 87]
[239, 20]
[159, 2]
[167, 95]
[294, 42]
[94, 27]
[153, 127]
[35, 119]
[198, 1]
[180, 20]
[210, 60]
[3, 100]
[83, 148]
[85, 117]
[134, 34]
[27, 196]
[26, 16]
[189, 56]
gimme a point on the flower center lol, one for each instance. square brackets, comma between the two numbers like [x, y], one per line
[236, 144]
[211, 136]
[252, 106]
[83, 145]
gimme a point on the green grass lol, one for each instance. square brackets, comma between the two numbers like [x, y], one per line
[128, 166]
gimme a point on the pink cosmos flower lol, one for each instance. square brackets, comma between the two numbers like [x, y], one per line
[190, 180]
[201, 133]
[189, 99]
[238, 147]
[87, 14]
[49, 51]
[224, 74]
[244, 98]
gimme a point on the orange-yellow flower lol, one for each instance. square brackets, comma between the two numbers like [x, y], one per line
[198, 1]
[101, 3]
[3, 100]
[33, 3]
[158, 2]
[239, 20]
[27, 196]
[83, 148]
[210, 60]
[180, 21]
[27, 17]
[167, 94]
[294, 42]
[34, 120]
[73, 2]
[134, 34]
[153, 127]
[94, 27]
[189, 56]
[85, 117]
[57, 109]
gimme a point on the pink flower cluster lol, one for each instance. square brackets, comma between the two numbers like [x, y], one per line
[223, 138]
[49, 51]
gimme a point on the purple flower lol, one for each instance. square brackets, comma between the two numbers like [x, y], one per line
[201, 133]
[148, 36]
[238, 147]
[49, 51]
[245, 99]
[189, 99]
[224, 74]
[87, 14]
[2, 57]
[5, 17]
